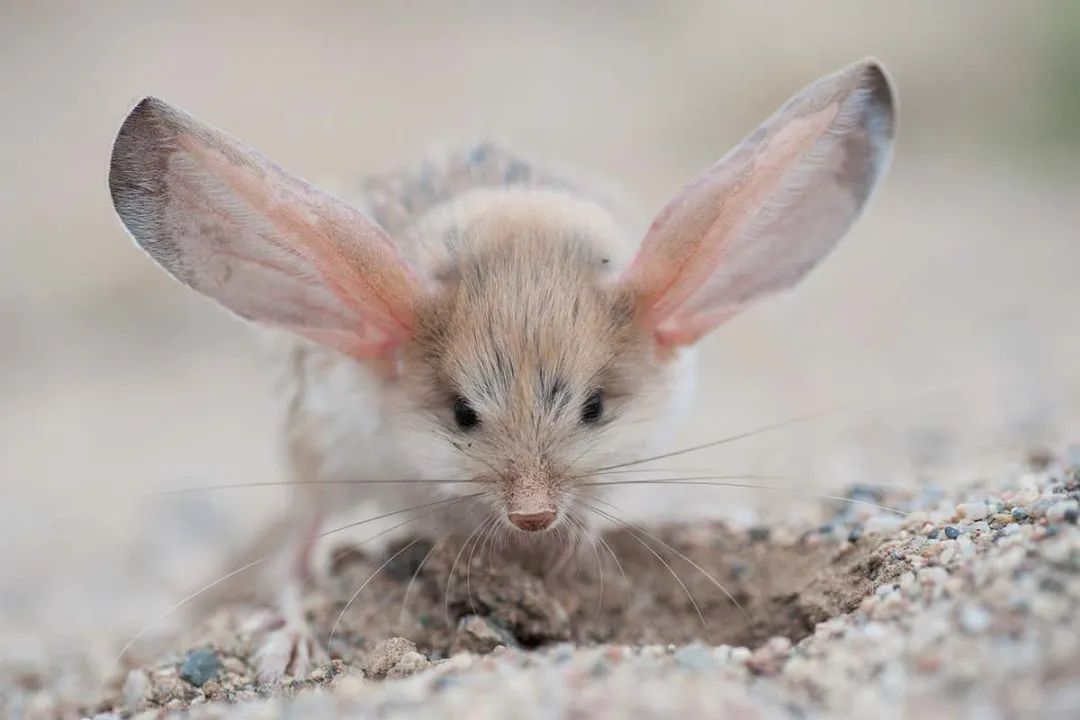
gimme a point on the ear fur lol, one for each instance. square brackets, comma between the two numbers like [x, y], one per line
[757, 221]
[226, 221]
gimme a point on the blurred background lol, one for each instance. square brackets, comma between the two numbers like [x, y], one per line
[948, 316]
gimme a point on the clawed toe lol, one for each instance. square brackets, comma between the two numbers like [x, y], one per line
[287, 651]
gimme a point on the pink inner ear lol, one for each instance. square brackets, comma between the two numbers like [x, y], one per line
[352, 255]
[691, 329]
[698, 237]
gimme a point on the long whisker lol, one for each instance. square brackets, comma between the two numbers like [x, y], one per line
[341, 552]
[707, 480]
[665, 563]
[333, 630]
[589, 447]
[490, 542]
[259, 560]
[457, 446]
[451, 501]
[907, 396]
[434, 503]
[737, 476]
[184, 601]
[687, 559]
[472, 554]
[450, 576]
[646, 470]
[416, 574]
[293, 483]
[723, 441]
[900, 486]
[599, 563]
[569, 535]
[626, 581]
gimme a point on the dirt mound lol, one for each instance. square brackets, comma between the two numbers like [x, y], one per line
[663, 594]
[664, 586]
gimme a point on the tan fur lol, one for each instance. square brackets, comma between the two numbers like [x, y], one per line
[525, 322]
[523, 317]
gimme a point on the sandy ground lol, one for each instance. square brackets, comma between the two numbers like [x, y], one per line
[950, 605]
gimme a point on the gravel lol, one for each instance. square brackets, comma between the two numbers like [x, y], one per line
[956, 611]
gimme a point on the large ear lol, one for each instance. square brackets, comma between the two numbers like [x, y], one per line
[226, 221]
[757, 221]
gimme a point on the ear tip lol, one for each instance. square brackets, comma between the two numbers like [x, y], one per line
[149, 110]
[133, 183]
[131, 140]
[870, 75]
[149, 104]
[876, 76]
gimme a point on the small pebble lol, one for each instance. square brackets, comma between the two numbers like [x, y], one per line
[947, 554]
[1040, 507]
[758, 534]
[974, 619]
[563, 652]
[973, 511]
[410, 663]
[234, 665]
[865, 493]
[770, 657]
[1003, 518]
[480, 635]
[695, 657]
[1057, 511]
[884, 524]
[933, 576]
[1072, 455]
[951, 532]
[933, 534]
[200, 666]
[1072, 515]
[740, 655]
[1019, 513]
[855, 534]
[136, 688]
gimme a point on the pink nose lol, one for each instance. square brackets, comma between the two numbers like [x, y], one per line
[533, 522]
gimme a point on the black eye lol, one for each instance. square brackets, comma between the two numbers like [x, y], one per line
[464, 415]
[593, 408]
